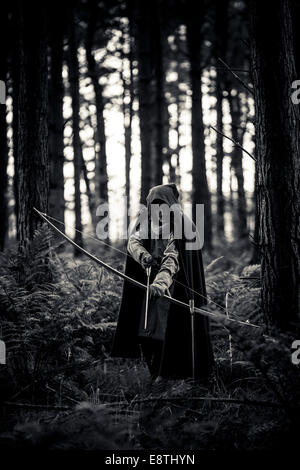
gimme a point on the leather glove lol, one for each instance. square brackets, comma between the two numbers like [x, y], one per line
[161, 284]
[146, 260]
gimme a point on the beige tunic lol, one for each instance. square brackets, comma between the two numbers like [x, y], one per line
[166, 266]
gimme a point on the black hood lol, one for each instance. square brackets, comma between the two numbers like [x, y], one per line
[167, 193]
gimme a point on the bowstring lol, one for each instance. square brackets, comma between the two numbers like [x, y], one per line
[86, 234]
[128, 254]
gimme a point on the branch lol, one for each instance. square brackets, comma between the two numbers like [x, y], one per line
[234, 70]
[212, 399]
[37, 407]
[233, 401]
[236, 76]
[234, 142]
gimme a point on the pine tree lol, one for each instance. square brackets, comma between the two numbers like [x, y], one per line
[278, 179]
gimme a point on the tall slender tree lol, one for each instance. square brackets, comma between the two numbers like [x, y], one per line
[179, 104]
[32, 149]
[90, 195]
[237, 163]
[3, 130]
[73, 66]
[93, 72]
[200, 190]
[237, 57]
[56, 118]
[127, 78]
[277, 139]
[255, 259]
[159, 92]
[295, 13]
[142, 33]
[15, 81]
[220, 49]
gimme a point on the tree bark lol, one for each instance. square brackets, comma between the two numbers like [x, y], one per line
[220, 50]
[91, 199]
[277, 137]
[255, 259]
[237, 164]
[200, 190]
[159, 95]
[101, 178]
[32, 159]
[167, 151]
[15, 79]
[56, 124]
[73, 66]
[178, 105]
[295, 12]
[3, 135]
[143, 46]
[128, 98]
[220, 157]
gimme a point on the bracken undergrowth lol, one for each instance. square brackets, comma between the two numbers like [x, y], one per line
[61, 390]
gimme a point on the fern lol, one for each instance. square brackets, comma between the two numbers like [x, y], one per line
[57, 319]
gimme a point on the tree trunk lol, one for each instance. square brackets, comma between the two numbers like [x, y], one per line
[255, 259]
[90, 197]
[168, 152]
[3, 135]
[200, 190]
[32, 159]
[220, 51]
[220, 157]
[128, 98]
[178, 107]
[295, 13]
[143, 46]
[74, 91]
[15, 79]
[56, 125]
[277, 137]
[101, 178]
[237, 164]
[159, 96]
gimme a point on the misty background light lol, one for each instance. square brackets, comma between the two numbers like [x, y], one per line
[114, 128]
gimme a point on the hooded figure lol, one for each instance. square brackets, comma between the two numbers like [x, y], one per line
[166, 342]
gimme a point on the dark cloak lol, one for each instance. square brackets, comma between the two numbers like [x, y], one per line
[177, 347]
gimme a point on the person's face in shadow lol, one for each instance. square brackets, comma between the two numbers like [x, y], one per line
[158, 202]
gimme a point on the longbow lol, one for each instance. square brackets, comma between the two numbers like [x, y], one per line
[134, 281]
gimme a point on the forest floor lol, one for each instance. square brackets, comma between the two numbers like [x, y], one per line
[61, 390]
